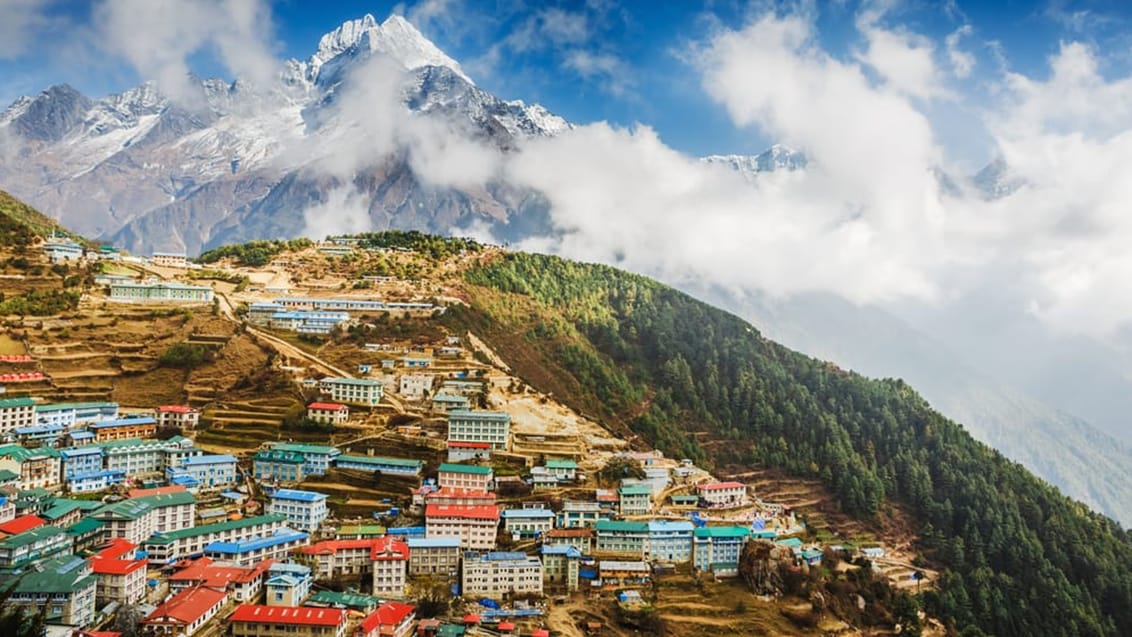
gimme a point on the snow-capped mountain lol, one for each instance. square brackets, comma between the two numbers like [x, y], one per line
[777, 157]
[238, 161]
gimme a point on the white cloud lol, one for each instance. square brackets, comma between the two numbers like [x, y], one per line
[157, 38]
[962, 62]
[21, 23]
[611, 71]
[345, 211]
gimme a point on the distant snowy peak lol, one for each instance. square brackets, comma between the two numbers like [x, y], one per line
[997, 180]
[395, 38]
[777, 157]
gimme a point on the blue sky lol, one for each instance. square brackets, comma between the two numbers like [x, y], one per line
[625, 62]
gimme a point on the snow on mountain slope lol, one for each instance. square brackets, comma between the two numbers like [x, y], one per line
[102, 165]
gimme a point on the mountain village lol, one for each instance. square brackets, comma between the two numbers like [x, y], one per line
[418, 473]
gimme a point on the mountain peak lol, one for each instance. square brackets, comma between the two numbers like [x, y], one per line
[396, 38]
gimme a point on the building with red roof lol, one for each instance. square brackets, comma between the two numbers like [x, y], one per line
[22, 524]
[474, 525]
[391, 619]
[390, 558]
[184, 613]
[243, 583]
[253, 620]
[181, 416]
[328, 413]
[465, 450]
[120, 577]
[723, 493]
[330, 559]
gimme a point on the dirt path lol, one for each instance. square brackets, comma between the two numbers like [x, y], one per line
[561, 619]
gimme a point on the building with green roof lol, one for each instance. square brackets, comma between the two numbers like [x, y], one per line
[383, 464]
[32, 546]
[87, 535]
[16, 412]
[718, 548]
[350, 601]
[278, 465]
[168, 546]
[63, 588]
[317, 459]
[634, 500]
[37, 468]
[137, 518]
[622, 537]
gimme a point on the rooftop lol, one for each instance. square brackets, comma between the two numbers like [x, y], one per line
[21, 524]
[314, 450]
[478, 512]
[451, 467]
[288, 615]
[715, 486]
[243, 523]
[328, 406]
[187, 606]
[295, 494]
[379, 460]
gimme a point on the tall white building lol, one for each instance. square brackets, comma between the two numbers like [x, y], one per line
[492, 427]
[305, 510]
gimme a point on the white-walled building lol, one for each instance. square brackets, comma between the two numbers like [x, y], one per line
[328, 413]
[181, 416]
[305, 510]
[353, 391]
[493, 427]
[495, 575]
[390, 558]
[476, 526]
[723, 494]
[16, 412]
[464, 476]
[415, 386]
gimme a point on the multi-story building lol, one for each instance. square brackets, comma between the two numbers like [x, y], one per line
[723, 494]
[621, 574]
[635, 500]
[181, 416]
[36, 468]
[166, 547]
[275, 546]
[63, 589]
[493, 427]
[160, 292]
[305, 510]
[328, 413]
[68, 415]
[286, 621]
[213, 471]
[120, 577]
[37, 435]
[390, 557]
[136, 456]
[560, 565]
[436, 557]
[622, 538]
[276, 465]
[718, 549]
[7, 508]
[31, 546]
[317, 459]
[415, 386]
[465, 451]
[391, 619]
[496, 575]
[670, 541]
[578, 513]
[464, 476]
[139, 518]
[16, 412]
[396, 466]
[580, 538]
[97, 481]
[353, 391]
[331, 559]
[475, 525]
[564, 470]
[123, 428]
[78, 461]
[448, 403]
[527, 522]
[169, 259]
[184, 613]
[243, 584]
[452, 495]
[287, 584]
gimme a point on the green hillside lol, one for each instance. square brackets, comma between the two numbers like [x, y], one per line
[20, 223]
[1018, 558]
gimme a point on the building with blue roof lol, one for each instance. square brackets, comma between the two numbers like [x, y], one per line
[257, 549]
[288, 584]
[560, 566]
[670, 541]
[80, 461]
[436, 557]
[68, 415]
[96, 481]
[718, 549]
[496, 574]
[211, 471]
[42, 434]
[305, 510]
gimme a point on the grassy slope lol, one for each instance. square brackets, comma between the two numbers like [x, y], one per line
[17, 219]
